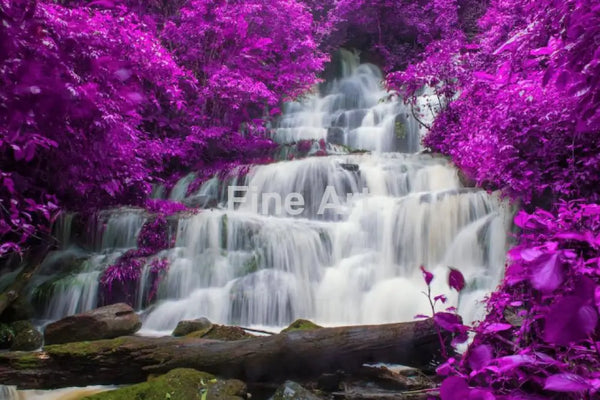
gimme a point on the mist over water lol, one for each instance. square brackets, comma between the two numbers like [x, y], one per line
[355, 263]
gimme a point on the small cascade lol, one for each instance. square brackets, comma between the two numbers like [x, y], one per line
[355, 110]
[334, 238]
[68, 279]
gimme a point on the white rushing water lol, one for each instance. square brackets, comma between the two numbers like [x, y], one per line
[342, 259]
[74, 393]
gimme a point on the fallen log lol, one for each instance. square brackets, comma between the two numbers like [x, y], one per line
[299, 354]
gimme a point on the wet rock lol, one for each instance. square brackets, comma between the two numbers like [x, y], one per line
[102, 323]
[382, 383]
[465, 180]
[19, 310]
[404, 379]
[221, 332]
[513, 316]
[179, 384]
[293, 391]
[350, 167]
[336, 135]
[301, 325]
[329, 382]
[188, 326]
[26, 337]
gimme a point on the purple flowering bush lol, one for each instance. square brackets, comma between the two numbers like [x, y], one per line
[99, 100]
[540, 338]
[519, 112]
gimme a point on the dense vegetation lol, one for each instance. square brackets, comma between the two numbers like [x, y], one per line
[99, 100]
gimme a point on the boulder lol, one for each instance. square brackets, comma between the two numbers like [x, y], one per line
[179, 384]
[293, 391]
[188, 326]
[102, 323]
[26, 337]
[301, 325]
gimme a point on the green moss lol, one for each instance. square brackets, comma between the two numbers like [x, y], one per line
[222, 332]
[400, 130]
[178, 384]
[224, 222]
[26, 361]
[301, 325]
[251, 265]
[84, 349]
[42, 294]
[199, 333]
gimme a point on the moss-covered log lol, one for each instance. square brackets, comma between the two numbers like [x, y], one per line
[274, 358]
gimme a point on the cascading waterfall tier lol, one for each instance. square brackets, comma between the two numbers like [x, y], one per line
[355, 111]
[349, 255]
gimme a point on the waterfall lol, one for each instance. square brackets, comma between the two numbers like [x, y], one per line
[349, 254]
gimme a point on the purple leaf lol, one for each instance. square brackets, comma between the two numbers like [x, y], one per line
[508, 363]
[597, 298]
[428, 276]
[568, 320]
[496, 327]
[449, 322]
[566, 382]
[454, 388]
[480, 357]
[441, 298]
[484, 76]
[456, 280]
[547, 273]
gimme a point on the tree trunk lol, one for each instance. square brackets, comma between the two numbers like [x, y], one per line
[299, 354]
[31, 265]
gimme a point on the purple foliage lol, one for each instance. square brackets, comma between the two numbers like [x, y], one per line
[164, 207]
[98, 100]
[519, 99]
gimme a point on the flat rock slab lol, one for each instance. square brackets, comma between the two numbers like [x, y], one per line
[101, 323]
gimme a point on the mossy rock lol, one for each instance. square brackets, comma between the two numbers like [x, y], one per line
[188, 326]
[301, 325]
[179, 384]
[222, 332]
[26, 337]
